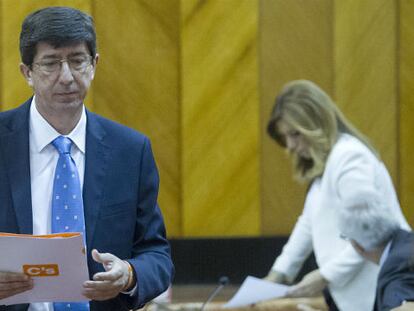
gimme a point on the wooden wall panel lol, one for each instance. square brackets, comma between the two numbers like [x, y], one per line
[296, 43]
[14, 89]
[406, 124]
[220, 118]
[365, 71]
[137, 83]
[200, 77]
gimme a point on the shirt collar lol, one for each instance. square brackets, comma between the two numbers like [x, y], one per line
[42, 133]
[385, 253]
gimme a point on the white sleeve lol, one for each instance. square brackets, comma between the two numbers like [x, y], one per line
[298, 247]
[343, 267]
[354, 170]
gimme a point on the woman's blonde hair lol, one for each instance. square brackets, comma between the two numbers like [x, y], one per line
[306, 108]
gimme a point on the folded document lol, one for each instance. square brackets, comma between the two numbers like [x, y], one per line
[57, 264]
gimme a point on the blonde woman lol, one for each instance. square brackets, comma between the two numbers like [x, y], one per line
[337, 161]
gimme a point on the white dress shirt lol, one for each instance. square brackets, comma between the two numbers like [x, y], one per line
[43, 161]
[385, 254]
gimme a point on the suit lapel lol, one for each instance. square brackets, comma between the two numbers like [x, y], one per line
[95, 167]
[15, 146]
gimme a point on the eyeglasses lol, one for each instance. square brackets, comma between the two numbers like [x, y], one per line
[77, 64]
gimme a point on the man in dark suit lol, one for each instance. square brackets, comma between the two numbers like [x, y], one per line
[375, 234]
[128, 254]
[396, 279]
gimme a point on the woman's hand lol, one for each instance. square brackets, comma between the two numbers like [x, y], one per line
[276, 277]
[305, 307]
[311, 285]
[405, 307]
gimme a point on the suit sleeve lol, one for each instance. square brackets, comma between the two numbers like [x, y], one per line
[399, 289]
[151, 260]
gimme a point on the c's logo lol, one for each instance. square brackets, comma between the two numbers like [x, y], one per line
[41, 270]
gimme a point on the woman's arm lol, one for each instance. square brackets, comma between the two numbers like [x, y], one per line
[299, 245]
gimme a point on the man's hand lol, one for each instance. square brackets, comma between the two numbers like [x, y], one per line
[108, 284]
[312, 284]
[12, 283]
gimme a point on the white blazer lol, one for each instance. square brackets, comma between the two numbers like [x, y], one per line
[350, 167]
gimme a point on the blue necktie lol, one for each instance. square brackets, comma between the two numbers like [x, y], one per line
[67, 204]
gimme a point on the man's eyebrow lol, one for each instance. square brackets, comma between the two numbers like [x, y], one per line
[56, 56]
[78, 54]
[49, 56]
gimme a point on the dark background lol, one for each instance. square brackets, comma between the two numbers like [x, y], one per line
[204, 261]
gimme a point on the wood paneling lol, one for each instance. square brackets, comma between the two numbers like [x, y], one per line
[406, 124]
[220, 118]
[200, 78]
[137, 83]
[296, 43]
[365, 71]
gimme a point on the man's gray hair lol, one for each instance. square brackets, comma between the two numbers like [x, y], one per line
[366, 219]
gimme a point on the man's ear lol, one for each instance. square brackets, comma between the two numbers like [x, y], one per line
[95, 62]
[27, 73]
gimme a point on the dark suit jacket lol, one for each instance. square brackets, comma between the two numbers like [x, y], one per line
[120, 200]
[396, 277]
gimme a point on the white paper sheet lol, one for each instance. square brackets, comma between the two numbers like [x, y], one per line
[36, 253]
[254, 290]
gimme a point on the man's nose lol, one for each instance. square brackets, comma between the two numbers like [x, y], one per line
[65, 74]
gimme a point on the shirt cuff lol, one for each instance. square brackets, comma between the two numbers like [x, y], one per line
[132, 291]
